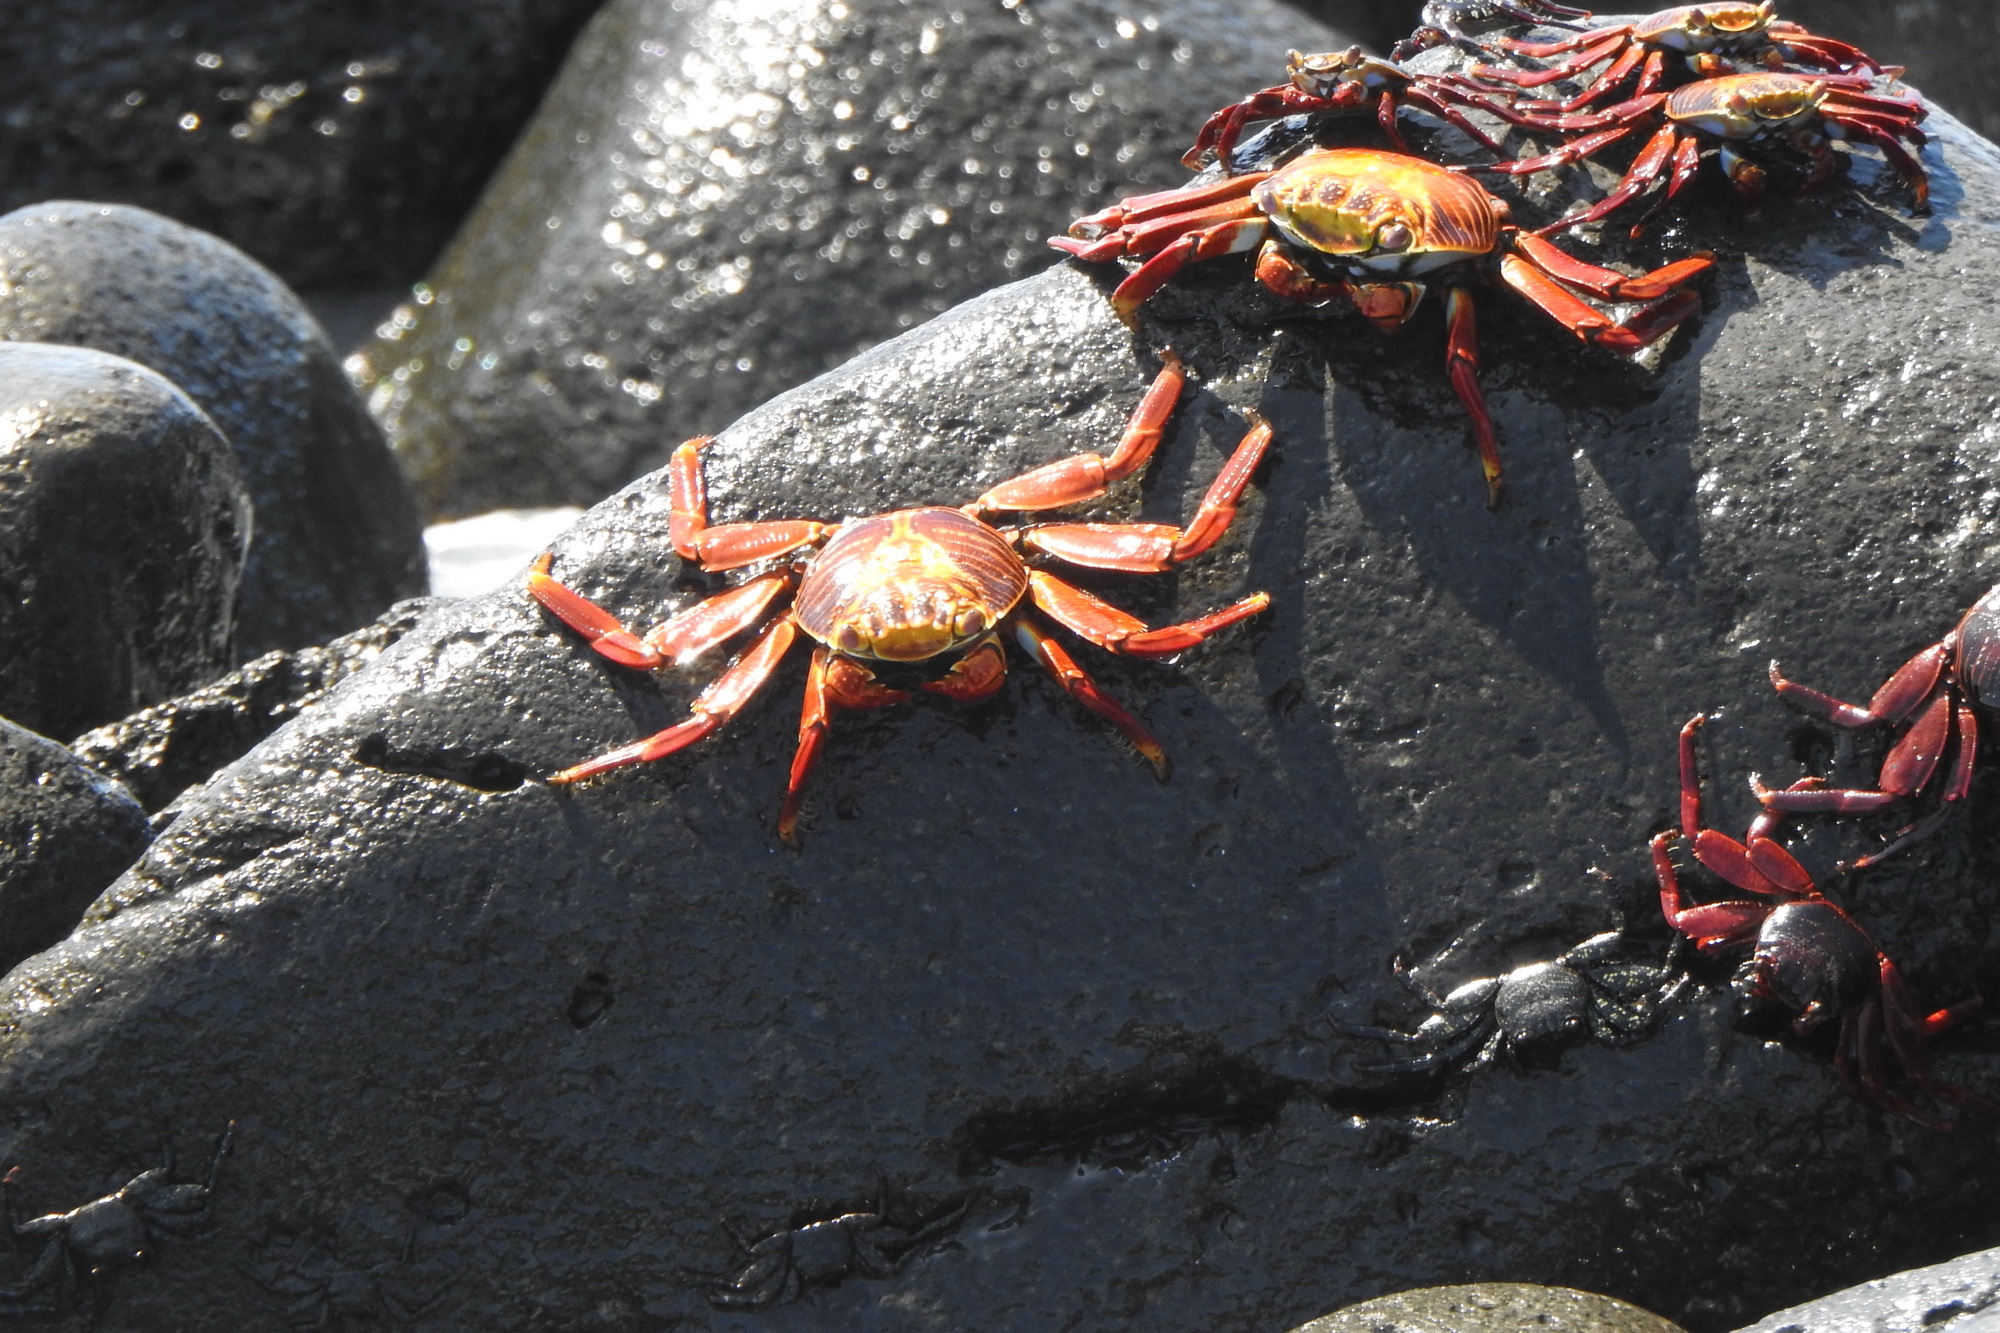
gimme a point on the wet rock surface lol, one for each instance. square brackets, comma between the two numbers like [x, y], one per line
[1022, 1038]
[1962, 1295]
[161, 751]
[65, 833]
[1490, 1307]
[717, 202]
[123, 524]
[336, 534]
[337, 145]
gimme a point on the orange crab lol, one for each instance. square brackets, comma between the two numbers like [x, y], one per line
[1705, 36]
[1377, 229]
[919, 595]
[1739, 113]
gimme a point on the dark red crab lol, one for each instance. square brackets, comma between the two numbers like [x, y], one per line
[1741, 116]
[919, 593]
[1932, 697]
[1376, 230]
[1809, 957]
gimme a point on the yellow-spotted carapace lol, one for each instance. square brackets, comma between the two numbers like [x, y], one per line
[1376, 230]
[922, 596]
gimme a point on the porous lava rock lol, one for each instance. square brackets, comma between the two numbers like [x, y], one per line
[1022, 1038]
[65, 832]
[1491, 1307]
[338, 144]
[337, 538]
[161, 751]
[123, 525]
[718, 201]
[1959, 1295]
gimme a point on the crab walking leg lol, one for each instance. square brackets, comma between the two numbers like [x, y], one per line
[717, 619]
[1461, 364]
[1121, 632]
[1911, 764]
[1609, 283]
[1086, 476]
[1645, 172]
[1080, 687]
[1723, 854]
[1140, 207]
[687, 496]
[1227, 238]
[1895, 699]
[1590, 324]
[606, 634]
[721, 701]
[830, 680]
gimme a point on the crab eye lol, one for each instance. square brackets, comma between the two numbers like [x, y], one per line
[970, 622]
[1395, 236]
[848, 640]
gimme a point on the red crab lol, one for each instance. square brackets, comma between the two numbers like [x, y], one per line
[921, 595]
[1442, 19]
[1809, 957]
[1935, 693]
[1704, 36]
[1376, 230]
[1738, 113]
[1345, 81]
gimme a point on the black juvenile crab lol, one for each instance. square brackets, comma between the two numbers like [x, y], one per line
[786, 1264]
[1533, 1011]
[106, 1234]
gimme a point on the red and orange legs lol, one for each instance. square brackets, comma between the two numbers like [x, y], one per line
[1591, 324]
[721, 701]
[832, 681]
[1712, 926]
[1895, 699]
[1245, 230]
[976, 675]
[1151, 548]
[1222, 129]
[680, 640]
[726, 545]
[604, 631]
[1041, 646]
[1461, 363]
[1138, 208]
[1086, 476]
[1762, 867]
[1117, 631]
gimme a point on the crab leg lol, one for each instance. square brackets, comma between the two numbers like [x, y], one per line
[1645, 171]
[1222, 129]
[1545, 50]
[717, 619]
[1461, 364]
[1895, 699]
[687, 496]
[1910, 1030]
[1769, 870]
[1574, 151]
[721, 701]
[1080, 687]
[1609, 283]
[830, 680]
[1712, 926]
[1144, 207]
[974, 676]
[1226, 238]
[1912, 761]
[1117, 631]
[1587, 322]
[606, 634]
[1085, 476]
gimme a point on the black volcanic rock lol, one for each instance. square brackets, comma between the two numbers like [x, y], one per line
[1022, 1038]
[65, 833]
[336, 143]
[337, 538]
[123, 525]
[717, 202]
[161, 751]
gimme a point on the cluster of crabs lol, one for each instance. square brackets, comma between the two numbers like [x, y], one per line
[926, 599]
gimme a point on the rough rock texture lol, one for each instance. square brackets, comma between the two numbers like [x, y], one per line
[1962, 1296]
[337, 538]
[718, 201]
[65, 833]
[335, 143]
[1038, 1041]
[161, 751]
[123, 525]
[1490, 1307]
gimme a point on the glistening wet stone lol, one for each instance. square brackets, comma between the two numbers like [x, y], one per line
[65, 832]
[718, 201]
[337, 538]
[123, 525]
[338, 144]
[1058, 1039]
[1490, 1307]
[1960, 1296]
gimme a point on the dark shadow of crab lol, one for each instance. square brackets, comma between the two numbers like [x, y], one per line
[1532, 1013]
[105, 1235]
[786, 1264]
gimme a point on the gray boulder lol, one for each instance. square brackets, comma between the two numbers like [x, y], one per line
[716, 203]
[1962, 1296]
[65, 832]
[1022, 1038]
[337, 538]
[123, 525]
[1491, 1307]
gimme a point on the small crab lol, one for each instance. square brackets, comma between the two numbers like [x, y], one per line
[1443, 21]
[1376, 229]
[1585, 992]
[1810, 958]
[918, 594]
[786, 1264]
[1739, 114]
[106, 1234]
[1345, 81]
[1704, 36]
[1935, 693]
